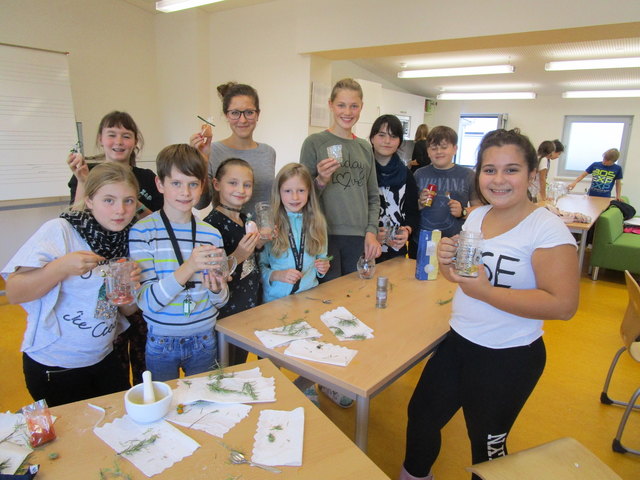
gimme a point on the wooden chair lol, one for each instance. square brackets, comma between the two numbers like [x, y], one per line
[562, 459]
[630, 333]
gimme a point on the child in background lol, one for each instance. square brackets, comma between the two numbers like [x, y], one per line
[180, 295]
[603, 175]
[233, 187]
[455, 183]
[347, 189]
[398, 190]
[538, 187]
[297, 256]
[121, 141]
[56, 276]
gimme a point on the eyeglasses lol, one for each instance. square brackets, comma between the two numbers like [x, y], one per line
[248, 114]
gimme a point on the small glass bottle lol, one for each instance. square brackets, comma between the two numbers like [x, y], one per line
[469, 254]
[381, 292]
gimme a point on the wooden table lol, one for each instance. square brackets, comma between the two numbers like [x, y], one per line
[413, 323]
[327, 452]
[591, 206]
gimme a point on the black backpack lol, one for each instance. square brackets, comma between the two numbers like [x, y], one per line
[627, 210]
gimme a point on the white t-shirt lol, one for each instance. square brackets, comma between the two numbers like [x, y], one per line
[507, 261]
[61, 327]
[534, 187]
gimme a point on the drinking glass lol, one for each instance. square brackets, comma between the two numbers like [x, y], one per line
[222, 265]
[366, 267]
[264, 219]
[118, 284]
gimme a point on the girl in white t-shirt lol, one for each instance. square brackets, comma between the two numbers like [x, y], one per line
[494, 355]
[57, 278]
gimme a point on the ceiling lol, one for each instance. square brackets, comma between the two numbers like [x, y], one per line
[528, 61]
[527, 52]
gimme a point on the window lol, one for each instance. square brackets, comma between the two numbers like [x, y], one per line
[471, 129]
[587, 137]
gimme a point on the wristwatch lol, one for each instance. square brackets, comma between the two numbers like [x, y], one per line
[464, 213]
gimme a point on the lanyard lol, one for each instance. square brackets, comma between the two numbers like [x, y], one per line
[298, 255]
[174, 241]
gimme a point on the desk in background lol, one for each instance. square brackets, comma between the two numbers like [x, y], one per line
[413, 323]
[591, 206]
[327, 453]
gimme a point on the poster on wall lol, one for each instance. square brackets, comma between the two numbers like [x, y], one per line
[319, 107]
[406, 126]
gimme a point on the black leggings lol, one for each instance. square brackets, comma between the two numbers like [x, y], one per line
[345, 250]
[490, 385]
[59, 385]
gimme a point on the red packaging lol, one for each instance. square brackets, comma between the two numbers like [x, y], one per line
[432, 190]
[39, 423]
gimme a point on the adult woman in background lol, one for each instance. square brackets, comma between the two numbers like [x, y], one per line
[420, 158]
[241, 107]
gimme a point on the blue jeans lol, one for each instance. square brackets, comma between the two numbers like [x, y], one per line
[165, 356]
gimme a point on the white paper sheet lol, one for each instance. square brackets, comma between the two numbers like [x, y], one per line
[170, 446]
[345, 325]
[12, 456]
[213, 418]
[321, 352]
[275, 337]
[279, 437]
[247, 386]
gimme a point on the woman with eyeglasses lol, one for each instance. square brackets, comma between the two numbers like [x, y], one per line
[241, 107]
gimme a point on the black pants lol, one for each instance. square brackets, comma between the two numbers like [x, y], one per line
[58, 385]
[345, 250]
[130, 346]
[490, 385]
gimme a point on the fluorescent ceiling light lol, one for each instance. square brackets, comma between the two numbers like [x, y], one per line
[488, 96]
[601, 93]
[175, 5]
[630, 62]
[457, 71]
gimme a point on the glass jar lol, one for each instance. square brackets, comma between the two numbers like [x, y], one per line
[366, 267]
[469, 254]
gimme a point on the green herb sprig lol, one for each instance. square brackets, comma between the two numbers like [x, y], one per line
[136, 446]
[115, 472]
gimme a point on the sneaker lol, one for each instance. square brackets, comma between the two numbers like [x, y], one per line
[337, 398]
[312, 395]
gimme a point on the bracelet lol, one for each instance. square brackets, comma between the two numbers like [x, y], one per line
[318, 184]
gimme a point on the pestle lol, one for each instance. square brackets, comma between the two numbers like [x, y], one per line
[147, 384]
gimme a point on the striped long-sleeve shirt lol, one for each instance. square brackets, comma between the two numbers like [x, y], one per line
[161, 298]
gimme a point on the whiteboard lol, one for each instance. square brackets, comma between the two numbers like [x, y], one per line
[37, 123]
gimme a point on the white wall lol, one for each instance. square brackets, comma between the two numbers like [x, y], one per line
[257, 45]
[112, 65]
[543, 119]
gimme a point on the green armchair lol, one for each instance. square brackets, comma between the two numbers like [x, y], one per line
[612, 248]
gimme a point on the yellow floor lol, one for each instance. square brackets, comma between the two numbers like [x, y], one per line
[565, 402]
